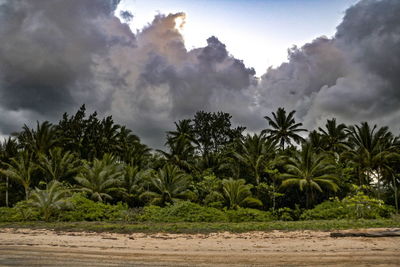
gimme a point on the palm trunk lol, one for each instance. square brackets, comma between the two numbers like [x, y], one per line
[6, 191]
[307, 198]
[26, 193]
[378, 183]
[395, 194]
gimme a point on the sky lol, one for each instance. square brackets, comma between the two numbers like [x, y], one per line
[271, 26]
[330, 59]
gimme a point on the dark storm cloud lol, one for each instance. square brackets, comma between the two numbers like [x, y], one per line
[354, 76]
[49, 52]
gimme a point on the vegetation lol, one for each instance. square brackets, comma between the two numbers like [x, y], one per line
[86, 168]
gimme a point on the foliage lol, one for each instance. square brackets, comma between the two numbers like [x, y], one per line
[183, 211]
[238, 194]
[310, 171]
[206, 161]
[22, 211]
[284, 128]
[169, 184]
[49, 200]
[20, 169]
[100, 178]
[83, 209]
[59, 165]
[248, 215]
[359, 206]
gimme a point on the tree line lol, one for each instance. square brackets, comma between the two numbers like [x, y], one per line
[206, 161]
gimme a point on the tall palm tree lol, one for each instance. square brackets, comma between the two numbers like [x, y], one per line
[50, 199]
[370, 150]
[8, 150]
[20, 169]
[334, 136]
[284, 128]
[168, 185]
[59, 164]
[255, 151]
[238, 194]
[316, 141]
[184, 130]
[100, 178]
[40, 140]
[309, 171]
[181, 153]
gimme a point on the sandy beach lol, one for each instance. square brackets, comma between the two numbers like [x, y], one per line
[25, 247]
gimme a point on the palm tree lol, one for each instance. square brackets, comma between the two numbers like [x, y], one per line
[184, 130]
[169, 184]
[8, 150]
[255, 151]
[132, 183]
[334, 136]
[309, 171]
[284, 129]
[370, 150]
[50, 199]
[40, 140]
[181, 153]
[20, 169]
[100, 178]
[59, 165]
[238, 194]
[316, 141]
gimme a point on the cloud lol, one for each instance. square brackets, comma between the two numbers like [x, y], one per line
[353, 76]
[50, 54]
[60, 54]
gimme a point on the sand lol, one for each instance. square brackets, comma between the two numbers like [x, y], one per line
[26, 247]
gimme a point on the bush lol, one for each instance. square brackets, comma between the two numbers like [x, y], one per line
[326, 210]
[22, 211]
[183, 211]
[83, 209]
[359, 206]
[248, 215]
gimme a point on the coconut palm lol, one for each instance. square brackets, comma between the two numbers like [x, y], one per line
[50, 199]
[100, 178]
[184, 130]
[181, 153]
[238, 194]
[371, 149]
[59, 164]
[8, 150]
[255, 151]
[132, 183]
[284, 128]
[168, 185]
[40, 140]
[20, 169]
[334, 136]
[310, 171]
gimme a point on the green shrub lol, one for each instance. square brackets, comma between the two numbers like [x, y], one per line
[9, 215]
[284, 214]
[359, 206]
[326, 210]
[83, 209]
[248, 215]
[363, 206]
[22, 211]
[183, 211]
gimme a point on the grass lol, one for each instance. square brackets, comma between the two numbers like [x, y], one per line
[124, 227]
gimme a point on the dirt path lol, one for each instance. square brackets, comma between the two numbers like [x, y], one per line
[25, 247]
